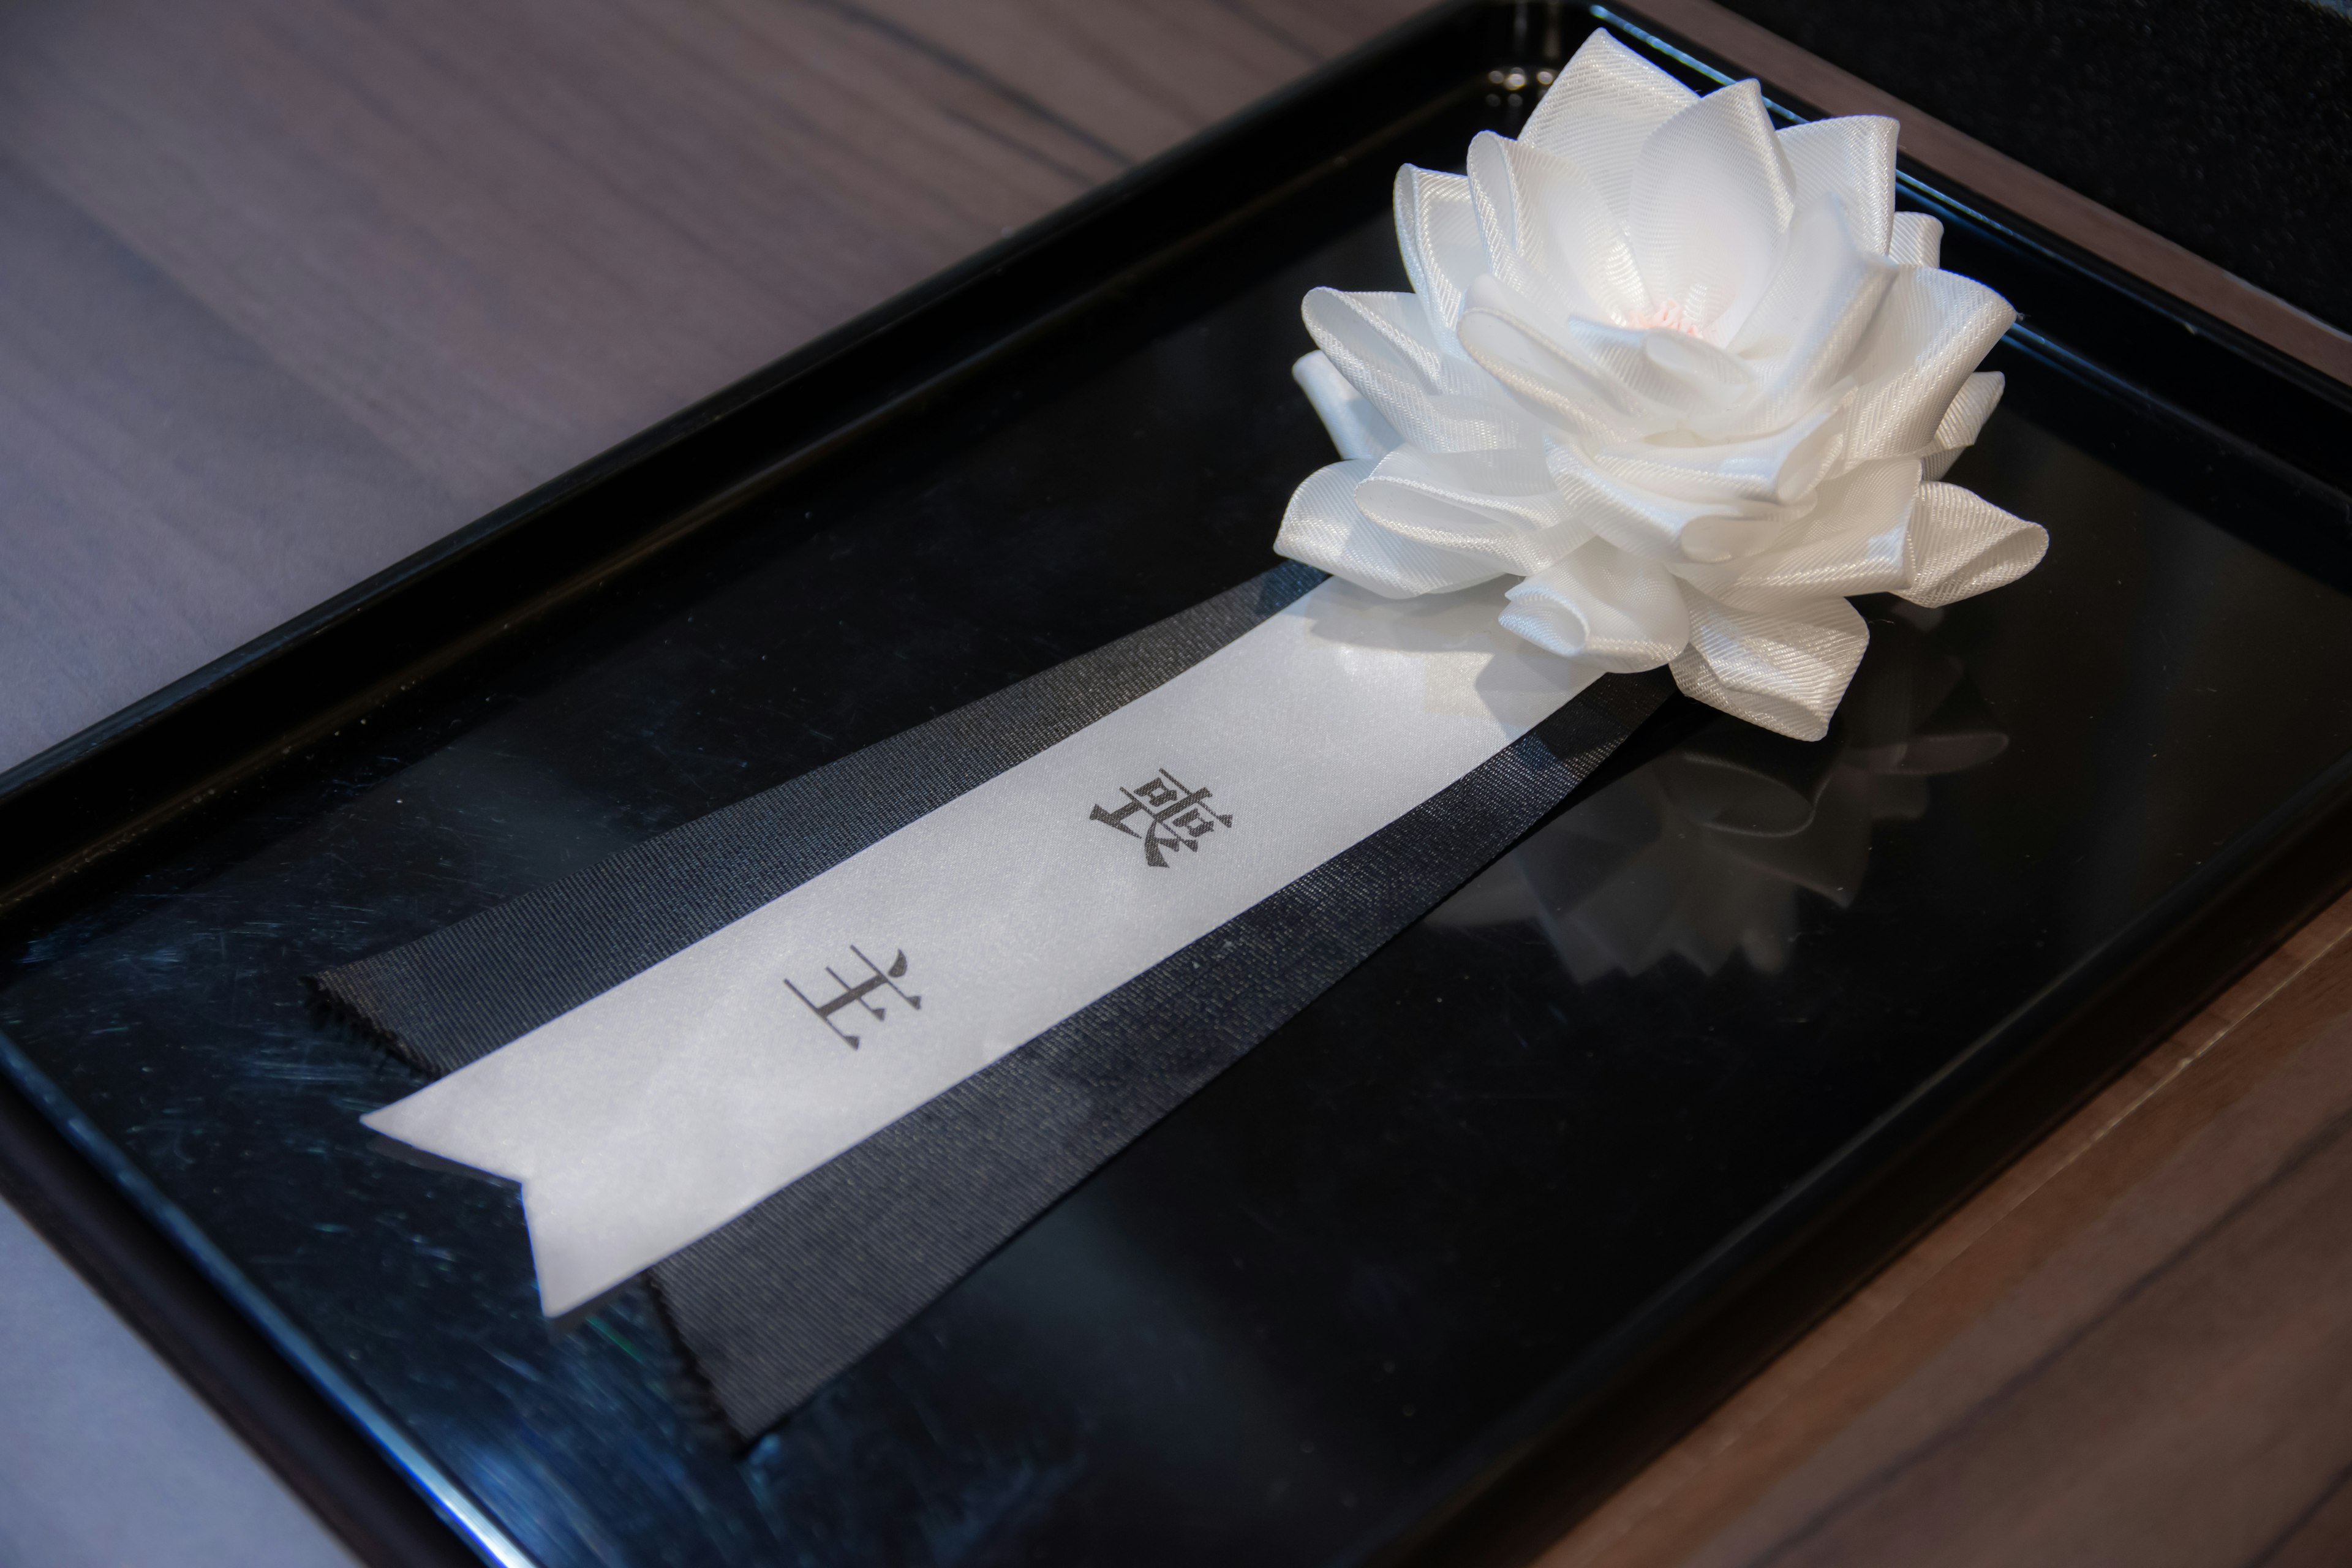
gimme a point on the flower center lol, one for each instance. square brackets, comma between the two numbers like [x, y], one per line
[1667, 314]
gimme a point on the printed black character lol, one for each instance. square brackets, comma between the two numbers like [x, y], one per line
[859, 992]
[1174, 817]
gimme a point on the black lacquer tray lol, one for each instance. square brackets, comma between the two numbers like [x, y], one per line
[1444, 1255]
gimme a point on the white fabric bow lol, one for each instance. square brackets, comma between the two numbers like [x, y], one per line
[1691, 380]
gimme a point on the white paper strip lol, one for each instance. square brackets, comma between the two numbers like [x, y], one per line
[650, 1116]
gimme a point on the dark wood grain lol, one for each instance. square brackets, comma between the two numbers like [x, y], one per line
[295, 287]
[2135, 1346]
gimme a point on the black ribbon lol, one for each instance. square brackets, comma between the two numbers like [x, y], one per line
[773, 1304]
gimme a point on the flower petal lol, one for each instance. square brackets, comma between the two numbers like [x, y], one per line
[1915, 240]
[1963, 544]
[1356, 427]
[1325, 528]
[1603, 607]
[1802, 334]
[1543, 378]
[1851, 158]
[1603, 107]
[1379, 331]
[1710, 203]
[1385, 346]
[1437, 230]
[1855, 541]
[1931, 330]
[1595, 380]
[1784, 670]
[1965, 420]
[1658, 526]
[1548, 235]
[1498, 506]
[1778, 469]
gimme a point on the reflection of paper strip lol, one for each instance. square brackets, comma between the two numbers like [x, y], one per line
[664, 1107]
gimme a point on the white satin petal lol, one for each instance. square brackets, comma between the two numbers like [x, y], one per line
[1603, 606]
[1597, 380]
[1543, 378]
[1603, 107]
[1323, 527]
[1963, 545]
[1356, 428]
[1931, 330]
[1823, 299]
[1437, 232]
[1684, 371]
[1548, 234]
[1500, 507]
[1965, 419]
[1784, 670]
[1856, 540]
[1384, 333]
[1778, 469]
[1915, 240]
[1387, 349]
[1657, 526]
[1851, 158]
[1711, 202]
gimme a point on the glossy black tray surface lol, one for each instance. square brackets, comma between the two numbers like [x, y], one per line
[1414, 1256]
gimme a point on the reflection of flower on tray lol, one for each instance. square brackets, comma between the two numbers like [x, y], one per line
[1702, 852]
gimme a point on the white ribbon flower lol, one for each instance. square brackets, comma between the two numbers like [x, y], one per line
[1692, 381]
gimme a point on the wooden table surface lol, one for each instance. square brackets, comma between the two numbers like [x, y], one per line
[294, 286]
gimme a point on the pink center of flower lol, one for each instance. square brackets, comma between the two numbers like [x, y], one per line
[1667, 314]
